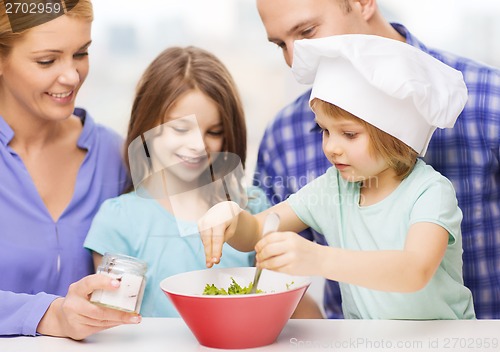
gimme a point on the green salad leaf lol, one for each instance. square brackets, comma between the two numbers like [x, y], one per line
[233, 289]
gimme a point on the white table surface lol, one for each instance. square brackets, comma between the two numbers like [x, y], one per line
[172, 334]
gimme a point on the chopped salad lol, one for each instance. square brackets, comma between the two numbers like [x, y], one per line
[233, 289]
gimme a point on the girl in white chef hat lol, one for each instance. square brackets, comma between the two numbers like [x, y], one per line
[391, 221]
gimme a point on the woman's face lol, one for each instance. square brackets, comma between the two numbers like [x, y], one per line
[45, 69]
[193, 130]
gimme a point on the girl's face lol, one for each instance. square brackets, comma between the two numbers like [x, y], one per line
[193, 130]
[346, 144]
[41, 76]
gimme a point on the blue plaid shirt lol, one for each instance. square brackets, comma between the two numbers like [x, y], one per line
[290, 155]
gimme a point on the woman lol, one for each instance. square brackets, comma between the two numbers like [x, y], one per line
[57, 167]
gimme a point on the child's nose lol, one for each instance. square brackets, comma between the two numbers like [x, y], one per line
[332, 147]
[195, 142]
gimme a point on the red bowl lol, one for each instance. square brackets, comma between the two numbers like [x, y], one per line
[235, 321]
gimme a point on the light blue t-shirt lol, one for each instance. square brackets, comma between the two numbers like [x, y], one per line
[330, 205]
[142, 228]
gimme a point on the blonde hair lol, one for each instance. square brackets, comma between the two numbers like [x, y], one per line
[399, 156]
[82, 9]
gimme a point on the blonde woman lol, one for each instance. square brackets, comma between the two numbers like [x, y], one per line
[57, 167]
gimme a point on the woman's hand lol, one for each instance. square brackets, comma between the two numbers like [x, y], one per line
[216, 227]
[289, 253]
[76, 317]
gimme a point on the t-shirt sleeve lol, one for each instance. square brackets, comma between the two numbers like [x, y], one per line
[109, 228]
[314, 202]
[437, 203]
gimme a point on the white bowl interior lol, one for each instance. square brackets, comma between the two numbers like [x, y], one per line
[193, 283]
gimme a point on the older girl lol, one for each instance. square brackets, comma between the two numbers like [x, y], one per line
[186, 148]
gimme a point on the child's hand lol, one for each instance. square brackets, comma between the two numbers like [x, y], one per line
[289, 253]
[216, 227]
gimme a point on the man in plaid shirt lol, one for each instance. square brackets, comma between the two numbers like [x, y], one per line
[290, 154]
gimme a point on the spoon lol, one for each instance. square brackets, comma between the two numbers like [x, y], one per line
[271, 224]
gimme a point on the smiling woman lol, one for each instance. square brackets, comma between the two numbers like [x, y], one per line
[57, 167]
[44, 70]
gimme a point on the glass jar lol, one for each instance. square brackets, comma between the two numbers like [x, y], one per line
[131, 273]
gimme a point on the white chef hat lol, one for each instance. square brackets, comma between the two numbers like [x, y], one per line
[389, 84]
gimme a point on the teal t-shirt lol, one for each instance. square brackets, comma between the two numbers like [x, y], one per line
[330, 205]
[142, 228]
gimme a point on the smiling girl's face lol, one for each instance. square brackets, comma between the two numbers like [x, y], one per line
[44, 71]
[193, 130]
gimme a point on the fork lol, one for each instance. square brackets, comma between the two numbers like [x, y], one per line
[271, 224]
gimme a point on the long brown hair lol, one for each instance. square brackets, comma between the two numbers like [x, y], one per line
[83, 10]
[399, 156]
[176, 71]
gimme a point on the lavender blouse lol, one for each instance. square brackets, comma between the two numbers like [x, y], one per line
[40, 258]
